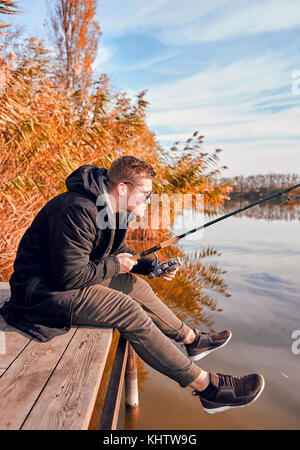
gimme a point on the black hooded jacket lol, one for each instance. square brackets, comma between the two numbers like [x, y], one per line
[63, 251]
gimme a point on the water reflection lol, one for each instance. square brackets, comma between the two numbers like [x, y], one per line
[131, 418]
[275, 209]
[191, 294]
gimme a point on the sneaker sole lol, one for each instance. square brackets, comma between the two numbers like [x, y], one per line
[224, 408]
[201, 355]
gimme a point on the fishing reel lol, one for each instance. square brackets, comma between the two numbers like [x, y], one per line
[164, 267]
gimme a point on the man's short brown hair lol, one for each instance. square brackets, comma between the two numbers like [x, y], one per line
[129, 168]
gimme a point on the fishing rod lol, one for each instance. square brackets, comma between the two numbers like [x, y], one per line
[172, 264]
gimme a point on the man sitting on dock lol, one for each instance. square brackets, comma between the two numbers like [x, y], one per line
[73, 267]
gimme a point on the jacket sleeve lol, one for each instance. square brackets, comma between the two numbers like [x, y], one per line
[145, 264]
[71, 238]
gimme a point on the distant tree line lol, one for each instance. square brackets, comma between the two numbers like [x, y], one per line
[254, 186]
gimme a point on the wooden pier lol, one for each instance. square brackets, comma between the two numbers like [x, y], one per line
[72, 382]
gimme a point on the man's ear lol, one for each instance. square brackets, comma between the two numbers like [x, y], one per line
[122, 189]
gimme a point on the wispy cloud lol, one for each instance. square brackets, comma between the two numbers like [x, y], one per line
[144, 64]
[245, 75]
[246, 18]
[181, 23]
[104, 56]
[119, 17]
[231, 93]
[247, 108]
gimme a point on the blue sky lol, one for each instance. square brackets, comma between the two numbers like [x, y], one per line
[228, 68]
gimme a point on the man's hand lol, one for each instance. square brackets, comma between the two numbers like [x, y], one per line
[126, 262]
[169, 276]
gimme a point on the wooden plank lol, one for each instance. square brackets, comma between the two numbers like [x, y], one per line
[68, 400]
[23, 381]
[14, 342]
[4, 296]
[99, 403]
[4, 292]
[2, 371]
[111, 407]
[3, 347]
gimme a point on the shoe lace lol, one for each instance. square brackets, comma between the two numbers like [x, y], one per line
[225, 380]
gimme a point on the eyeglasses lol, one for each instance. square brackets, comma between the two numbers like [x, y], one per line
[147, 196]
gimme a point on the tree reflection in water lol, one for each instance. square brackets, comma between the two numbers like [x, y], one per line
[192, 289]
[190, 295]
[275, 209]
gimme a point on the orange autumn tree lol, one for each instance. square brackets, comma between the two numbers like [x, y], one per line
[42, 141]
[75, 34]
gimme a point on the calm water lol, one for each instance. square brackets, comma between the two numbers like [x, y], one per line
[262, 260]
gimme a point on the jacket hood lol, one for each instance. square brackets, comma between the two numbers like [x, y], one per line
[87, 180]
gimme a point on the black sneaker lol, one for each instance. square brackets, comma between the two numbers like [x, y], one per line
[226, 391]
[206, 343]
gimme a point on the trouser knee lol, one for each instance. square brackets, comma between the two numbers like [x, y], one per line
[132, 318]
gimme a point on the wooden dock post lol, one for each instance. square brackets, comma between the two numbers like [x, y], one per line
[131, 380]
